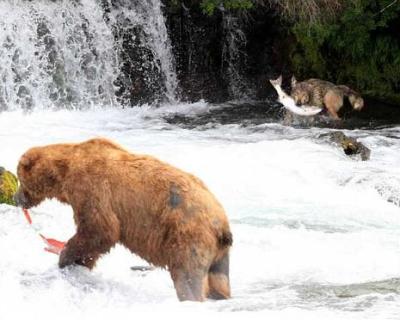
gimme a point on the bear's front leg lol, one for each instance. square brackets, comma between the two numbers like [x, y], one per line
[78, 251]
[97, 232]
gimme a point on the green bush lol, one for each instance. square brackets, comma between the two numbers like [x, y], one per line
[8, 186]
[360, 48]
[209, 6]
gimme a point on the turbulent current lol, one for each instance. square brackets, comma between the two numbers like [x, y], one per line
[316, 233]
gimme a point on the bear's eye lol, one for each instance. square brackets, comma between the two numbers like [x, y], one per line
[27, 162]
[28, 166]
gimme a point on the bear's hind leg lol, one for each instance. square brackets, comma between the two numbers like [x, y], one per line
[333, 102]
[218, 279]
[191, 285]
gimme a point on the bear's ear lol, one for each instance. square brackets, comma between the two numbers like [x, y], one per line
[28, 161]
[294, 81]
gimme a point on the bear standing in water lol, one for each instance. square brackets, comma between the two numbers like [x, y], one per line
[163, 214]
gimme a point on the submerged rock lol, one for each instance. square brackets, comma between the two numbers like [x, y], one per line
[8, 186]
[349, 145]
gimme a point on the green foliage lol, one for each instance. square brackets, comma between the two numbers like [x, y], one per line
[8, 187]
[209, 6]
[361, 48]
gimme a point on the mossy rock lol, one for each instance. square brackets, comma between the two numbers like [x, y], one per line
[349, 145]
[8, 186]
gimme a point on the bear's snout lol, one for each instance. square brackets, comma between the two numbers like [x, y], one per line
[20, 199]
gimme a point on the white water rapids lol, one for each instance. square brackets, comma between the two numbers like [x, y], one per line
[315, 236]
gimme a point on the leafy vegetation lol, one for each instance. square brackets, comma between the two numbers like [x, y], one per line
[305, 10]
[8, 186]
[361, 48]
[209, 6]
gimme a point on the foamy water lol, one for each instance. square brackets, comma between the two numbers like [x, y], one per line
[316, 234]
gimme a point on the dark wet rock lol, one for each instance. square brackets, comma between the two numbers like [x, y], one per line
[349, 145]
[228, 55]
[142, 268]
[245, 114]
[249, 114]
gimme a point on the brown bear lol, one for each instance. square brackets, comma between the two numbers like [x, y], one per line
[161, 213]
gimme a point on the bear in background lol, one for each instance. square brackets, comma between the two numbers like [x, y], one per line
[321, 93]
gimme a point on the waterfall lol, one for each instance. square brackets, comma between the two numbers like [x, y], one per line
[234, 56]
[65, 54]
[150, 60]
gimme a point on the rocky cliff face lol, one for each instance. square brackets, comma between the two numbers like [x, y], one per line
[229, 55]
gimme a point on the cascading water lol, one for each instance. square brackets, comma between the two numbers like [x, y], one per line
[64, 54]
[161, 46]
[234, 57]
[55, 54]
[144, 47]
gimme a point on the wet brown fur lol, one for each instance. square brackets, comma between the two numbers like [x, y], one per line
[323, 93]
[163, 214]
